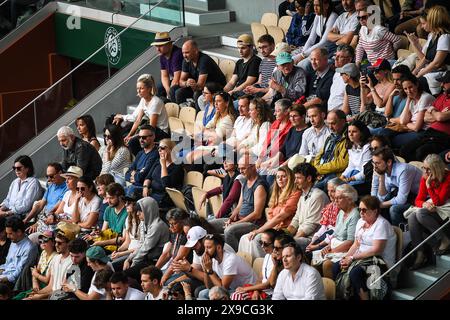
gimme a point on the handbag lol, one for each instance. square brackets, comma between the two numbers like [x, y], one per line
[397, 127]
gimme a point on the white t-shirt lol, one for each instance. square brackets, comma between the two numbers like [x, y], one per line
[267, 268]
[93, 288]
[133, 294]
[149, 296]
[86, 208]
[233, 264]
[242, 127]
[154, 106]
[134, 239]
[380, 230]
[196, 259]
[346, 24]
[58, 269]
[68, 210]
[425, 101]
[337, 91]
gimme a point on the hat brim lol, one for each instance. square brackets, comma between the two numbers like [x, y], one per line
[190, 243]
[156, 43]
[66, 175]
[284, 61]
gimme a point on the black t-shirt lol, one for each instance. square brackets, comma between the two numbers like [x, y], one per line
[247, 69]
[205, 65]
[292, 143]
[323, 86]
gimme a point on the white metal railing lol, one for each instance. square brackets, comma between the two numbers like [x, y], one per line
[76, 68]
[409, 253]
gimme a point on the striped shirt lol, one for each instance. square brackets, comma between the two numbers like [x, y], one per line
[266, 68]
[379, 43]
[354, 98]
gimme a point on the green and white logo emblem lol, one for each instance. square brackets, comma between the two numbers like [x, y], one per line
[114, 48]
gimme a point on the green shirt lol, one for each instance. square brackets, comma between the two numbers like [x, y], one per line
[345, 230]
[116, 222]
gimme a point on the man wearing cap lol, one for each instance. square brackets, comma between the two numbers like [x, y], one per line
[436, 138]
[266, 45]
[246, 71]
[352, 96]
[22, 252]
[320, 82]
[198, 68]
[344, 55]
[77, 152]
[61, 263]
[288, 81]
[170, 60]
[53, 195]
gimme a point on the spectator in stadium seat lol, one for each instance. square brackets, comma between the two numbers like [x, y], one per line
[77, 152]
[121, 290]
[318, 38]
[222, 267]
[333, 158]
[249, 213]
[266, 45]
[320, 82]
[394, 183]
[352, 94]
[144, 160]
[87, 205]
[375, 41]
[154, 234]
[309, 208]
[314, 137]
[301, 24]
[286, 8]
[86, 128]
[436, 58]
[101, 182]
[246, 71]
[198, 68]
[397, 98]
[346, 24]
[23, 191]
[434, 192]
[163, 174]
[288, 81]
[243, 124]
[206, 102]
[150, 106]
[344, 55]
[56, 189]
[151, 283]
[298, 280]
[115, 155]
[281, 209]
[22, 252]
[436, 138]
[170, 61]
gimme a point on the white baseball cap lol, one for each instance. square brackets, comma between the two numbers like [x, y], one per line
[194, 234]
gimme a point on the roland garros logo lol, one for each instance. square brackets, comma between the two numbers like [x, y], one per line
[113, 48]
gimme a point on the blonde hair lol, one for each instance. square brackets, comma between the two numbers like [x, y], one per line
[438, 20]
[280, 196]
[171, 144]
[148, 81]
[437, 167]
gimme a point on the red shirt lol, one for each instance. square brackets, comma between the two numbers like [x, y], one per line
[275, 138]
[440, 104]
[439, 194]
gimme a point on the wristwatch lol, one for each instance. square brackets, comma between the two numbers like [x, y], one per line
[210, 272]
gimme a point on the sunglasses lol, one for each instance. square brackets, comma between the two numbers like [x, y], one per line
[277, 248]
[19, 168]
[145, 137]
[162, 148]
[50, 176]
[209, 236]
[371, 149]
[107, 136]
[264, 244]
[363, 210]
[362, 17]
[44, 240]
[81, 189]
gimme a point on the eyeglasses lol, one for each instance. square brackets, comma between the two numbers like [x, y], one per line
[363, 17]
[277, 248]
[363, 210]
[264, 244]
[81, 189]
[19, 168]
[43, 240]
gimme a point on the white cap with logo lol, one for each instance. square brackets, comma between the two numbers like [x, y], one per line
[194, 234]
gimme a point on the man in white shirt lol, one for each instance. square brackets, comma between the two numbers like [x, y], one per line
[298, 281]
[151, 283]
[309, 208]
[243, 124]
[120, 289]
[313, 138]
[344, 54]
[345, 25]
[223, 268]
